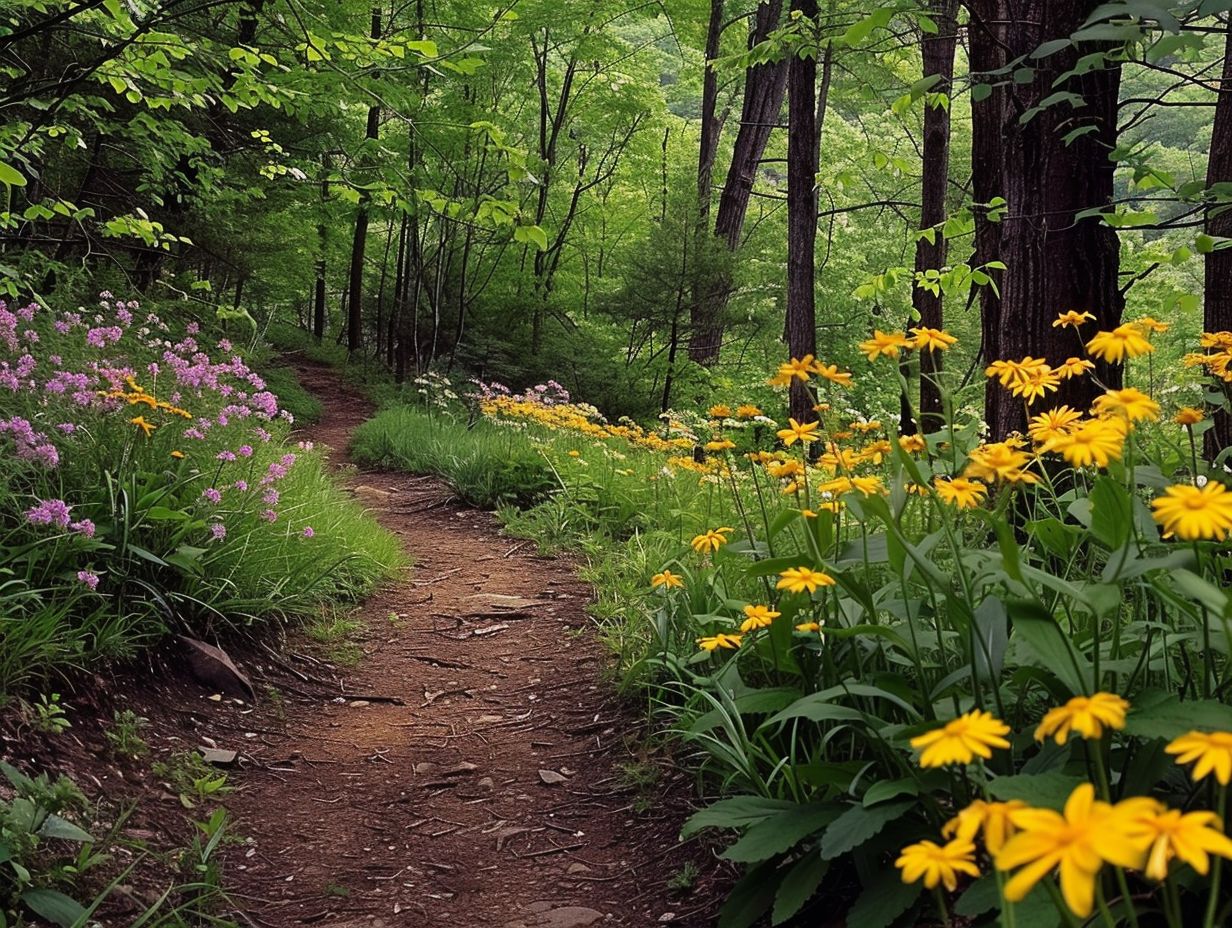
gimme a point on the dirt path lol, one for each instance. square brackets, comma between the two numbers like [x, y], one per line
[486, 782]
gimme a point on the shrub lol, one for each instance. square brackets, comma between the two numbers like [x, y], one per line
[147, 484]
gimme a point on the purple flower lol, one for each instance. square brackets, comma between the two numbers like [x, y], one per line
[308, 532]
[68, 428]
[89, 578]
[226, 455]
[244, 451]
[49, 512]
[242, 486]
[218, 531]
[270, 497]
[269, 515]
[84, 527]
[212, 495]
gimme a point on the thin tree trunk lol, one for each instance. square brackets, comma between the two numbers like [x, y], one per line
[930, 254]
[802, 163]
[764, 86]
[355, 316]
[1217, 311]
[711, 126]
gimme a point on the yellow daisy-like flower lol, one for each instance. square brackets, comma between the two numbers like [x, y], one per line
[912, 444]
[992, 818]
[1036, 383]
[883, 343]
[999, 461]
[810, 627]
[1052, 424]
[667, 580]
[1211, 750]
[831, 373]
[1193, 513]
[1009, 373]
[142, 423]
[747, 411]
[720, 411]
[797, 368]
[719, 444]
[804, 432]
[803, 579]
[757, 617]
[961, 740]
[1086, 715]
[1149, 324]
[1074, 367]
[1189, 415]
[937, 865]
[1125, 341]
[1094, 442]
[1072, 318]
[865, 427]
[1129, 403]
[962, 492]
[1077, 843]
[711, 540]
[178, 455]
[927, 339]
[720, 641]
[1191, 837]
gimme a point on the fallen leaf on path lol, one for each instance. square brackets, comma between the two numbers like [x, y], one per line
[552, 778]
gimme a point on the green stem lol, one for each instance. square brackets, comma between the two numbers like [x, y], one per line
[1212, 903]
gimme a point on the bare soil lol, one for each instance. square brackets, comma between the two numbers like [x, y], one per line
[472, 766]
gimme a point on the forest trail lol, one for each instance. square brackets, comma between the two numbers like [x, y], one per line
[474, 775]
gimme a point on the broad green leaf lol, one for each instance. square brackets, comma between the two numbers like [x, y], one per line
[1047, 641]
[1044, 790]
[734, 812]
[781, 833]
[858, 824]
[54, 906]
[799, 884]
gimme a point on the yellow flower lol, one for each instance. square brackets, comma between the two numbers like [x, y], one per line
[807, 627]
[711, 540]
[719, 444]
[747, 411]
[932, 339]
[831, 373]
[720, 411]
[937, 865]
[1074, 367]
[960, 491]
[1009, 373]
[1192, 513]
[871, 425]
[1086, 715]
[1072, 318]
[1036, 382]
[758, 617]
[805, 432]
[141, 423]
[178, 455]
[883, 343]
[961, 740]
[800, 579]
[575, 454]
[993, 818]
[721, 640]
[912, 444]
[666, 579]
[1125, 341]
[1129, 403]
[1077, 842]
[1189, 415]
[1093, 442]
[866, 486]
[1211, 750]
[1192, 837]
[796, 369]
[1149, 324]
[1052, 424]
[999, 461]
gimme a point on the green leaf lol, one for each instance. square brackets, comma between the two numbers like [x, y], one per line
[1165, 716]
[883, 900]
[782, 832]
[1046, 640]
[858, 824]
[734, 812]
[798, 886]
[531, 235]
[750, 898]
[883, 790]
[56, 827]
[10, 176]
[1043, 790]
[54, 906]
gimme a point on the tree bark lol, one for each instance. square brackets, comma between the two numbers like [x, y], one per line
[764, 87]
[711, 126]
[1217, 310]
[802, 159]
[1056, 261]
[938, 58]
[355, 302]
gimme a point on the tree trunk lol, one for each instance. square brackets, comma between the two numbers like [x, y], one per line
[764, 86]
[1056, 261]
[1217, 313]
[355, 316]
[938, 55]
[802, 158]
[711, 126]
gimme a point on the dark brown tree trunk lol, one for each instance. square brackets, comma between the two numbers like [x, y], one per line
[355, 304]
[711, 125]
[802, 158]
[318, 296]
[930, 254]
[764, 86]
[1217, 313]
[1056, 261]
